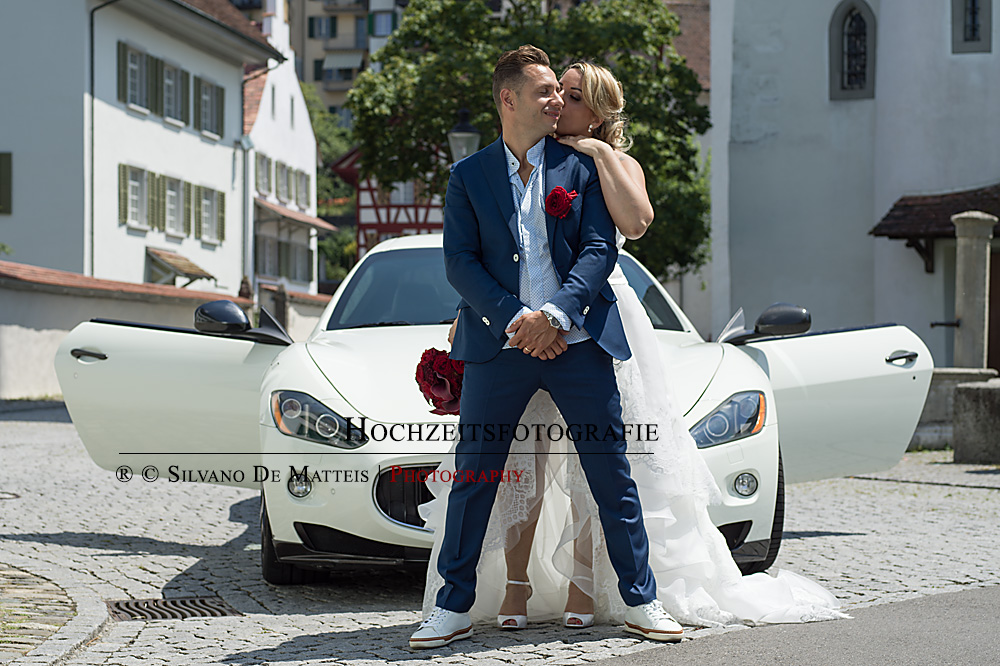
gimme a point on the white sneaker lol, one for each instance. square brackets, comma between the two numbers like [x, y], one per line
[651, 621]
[440, 628]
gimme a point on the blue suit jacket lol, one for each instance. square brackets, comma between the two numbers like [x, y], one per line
[480, 231]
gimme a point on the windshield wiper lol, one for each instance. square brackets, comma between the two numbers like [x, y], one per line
[383, 323]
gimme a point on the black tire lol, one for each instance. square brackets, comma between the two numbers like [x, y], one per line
[777, 528]
[273, 570]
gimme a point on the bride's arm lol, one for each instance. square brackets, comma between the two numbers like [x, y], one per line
[623, 184]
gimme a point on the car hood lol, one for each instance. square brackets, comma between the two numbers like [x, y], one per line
[689, 369]
[374, 369]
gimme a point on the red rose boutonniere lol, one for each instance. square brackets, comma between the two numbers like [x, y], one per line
[558, 202]
[440, 381]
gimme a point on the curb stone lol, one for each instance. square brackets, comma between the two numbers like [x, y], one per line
[90, 620]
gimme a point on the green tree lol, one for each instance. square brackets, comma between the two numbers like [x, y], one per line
[339, 251]
[441, 59]
[332, 141]
[5, 249]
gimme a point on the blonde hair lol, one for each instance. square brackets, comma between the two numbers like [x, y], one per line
[602, 93]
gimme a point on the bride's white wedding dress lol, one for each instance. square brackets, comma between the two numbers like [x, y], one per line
[697, 580]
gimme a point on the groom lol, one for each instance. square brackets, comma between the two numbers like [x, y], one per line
[529, 246]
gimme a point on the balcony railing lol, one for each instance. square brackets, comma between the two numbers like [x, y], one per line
[334, 85]
[336, 6]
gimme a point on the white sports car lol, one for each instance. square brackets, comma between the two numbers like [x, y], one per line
[327, 428]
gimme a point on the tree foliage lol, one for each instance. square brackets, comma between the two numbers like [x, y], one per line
[441, 59]
[5, 249]
[332, 141]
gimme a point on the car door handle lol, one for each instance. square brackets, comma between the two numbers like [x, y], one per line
[80, 353]
[901, 356]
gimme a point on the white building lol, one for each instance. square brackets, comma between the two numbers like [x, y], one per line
[140, 180]
[827, 116]
[282, 164]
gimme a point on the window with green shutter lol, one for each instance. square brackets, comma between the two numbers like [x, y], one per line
[318, 69]
[185, 97]
[122, 194]
[6, 184]
[197, 103]
[122, 72]
[197, 211]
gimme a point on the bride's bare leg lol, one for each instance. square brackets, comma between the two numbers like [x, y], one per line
[577, 601]
[515, 601]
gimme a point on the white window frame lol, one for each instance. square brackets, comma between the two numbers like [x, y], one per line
[138, 198]
[136, 73]
[172, 94]
[264, 171]
[402, 194]
[381, 20]
[173, 191]
[281, 175]
[302, 190]
[209, 215]
[208, 102]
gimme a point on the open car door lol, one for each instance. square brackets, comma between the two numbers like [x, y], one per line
[847, 402]
[171, 398]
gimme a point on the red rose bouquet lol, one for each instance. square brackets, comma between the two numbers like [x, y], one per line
[558, 202]
[440, 381]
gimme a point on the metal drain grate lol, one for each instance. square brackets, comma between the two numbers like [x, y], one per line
[170, 609]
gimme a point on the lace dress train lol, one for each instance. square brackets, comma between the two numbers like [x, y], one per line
[697, 580]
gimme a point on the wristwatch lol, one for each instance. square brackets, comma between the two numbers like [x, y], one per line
[553, 322]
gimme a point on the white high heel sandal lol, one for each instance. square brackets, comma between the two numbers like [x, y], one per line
[582, 620]
[514, 621]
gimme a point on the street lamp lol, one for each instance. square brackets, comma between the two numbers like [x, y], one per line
[463, 138]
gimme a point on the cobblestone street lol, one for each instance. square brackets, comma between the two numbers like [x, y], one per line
[926, 526]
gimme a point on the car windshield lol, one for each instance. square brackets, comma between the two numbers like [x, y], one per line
[397, 288]
[408, 287]
[660, 313]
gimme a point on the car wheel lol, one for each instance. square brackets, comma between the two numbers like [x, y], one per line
[273, 570]
[777, 528]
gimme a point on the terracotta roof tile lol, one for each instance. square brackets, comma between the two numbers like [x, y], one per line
[226, 13]
[295, 215]
[13, 272]
[929, 216]
[694, 42]
[255, 78]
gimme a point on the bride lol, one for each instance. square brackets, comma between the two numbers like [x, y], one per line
[544, 552]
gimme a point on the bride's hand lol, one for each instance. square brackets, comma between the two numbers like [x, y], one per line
[451, 331]
[587, 145]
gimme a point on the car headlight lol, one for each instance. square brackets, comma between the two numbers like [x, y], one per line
[300, 415]
[740, 416]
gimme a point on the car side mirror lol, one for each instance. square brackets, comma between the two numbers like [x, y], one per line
[783, 319]
[221, 317]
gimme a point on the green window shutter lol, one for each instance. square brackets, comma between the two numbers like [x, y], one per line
[150, 82]
[371, 25]
[258, 264]
[308, 187]
[395, 20]
[158, 108]
[312, 27]
[122, 194]
[122, 72]
[185, 97]
[312, 266]
[197, 211]
[332, 32]
[151, 200]
[6, 184]
[221, 226]
[220, 110]
[161, 205]
[196, 110]
[318, 69]
[258, 173]
[188, 194]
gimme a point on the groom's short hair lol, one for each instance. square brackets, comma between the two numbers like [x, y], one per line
[509, 72]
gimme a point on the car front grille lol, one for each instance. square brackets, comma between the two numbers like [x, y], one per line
[398, 499]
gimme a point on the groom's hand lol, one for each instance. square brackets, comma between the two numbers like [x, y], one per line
[557, 347]
[533, 334]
